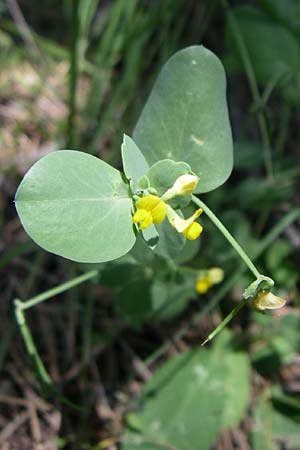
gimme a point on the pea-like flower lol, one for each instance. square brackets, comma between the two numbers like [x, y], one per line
[266, 300]
[207, 278]
[188, 227]
[150, 209]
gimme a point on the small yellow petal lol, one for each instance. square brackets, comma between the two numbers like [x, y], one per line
[148, 202]
[146, 222]
[143, 217]
[193, 231]
[140, 215]
[158, 213]
[202, 285]
[182, 224]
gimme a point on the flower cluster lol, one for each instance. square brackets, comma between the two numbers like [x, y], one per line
[152, 209]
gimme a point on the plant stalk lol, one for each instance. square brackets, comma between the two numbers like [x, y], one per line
[227, 235]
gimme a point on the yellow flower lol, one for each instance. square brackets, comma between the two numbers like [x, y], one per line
[188, 227]
[208, 278]
[151, 209]
[266, 300]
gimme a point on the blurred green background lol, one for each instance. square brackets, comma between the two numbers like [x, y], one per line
[129, 373]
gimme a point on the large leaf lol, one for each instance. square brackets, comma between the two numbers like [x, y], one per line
[186, 117]
[76, 206]
[190, 399]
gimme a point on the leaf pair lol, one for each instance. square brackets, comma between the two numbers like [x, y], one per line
[79, 207]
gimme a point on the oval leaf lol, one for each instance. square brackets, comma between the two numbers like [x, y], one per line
[77, 206]
[186, 117]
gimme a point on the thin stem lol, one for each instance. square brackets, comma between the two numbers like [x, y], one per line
[253, 87]
[224, 322]
[225, 287]
[227, 235]
[29, 343]
[73, 75]
[57, 290]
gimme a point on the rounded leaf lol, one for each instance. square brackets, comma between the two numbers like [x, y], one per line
[76, 206]
[186, 117]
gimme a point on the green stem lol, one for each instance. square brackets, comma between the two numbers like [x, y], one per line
[227, 235]
[29, 343]
[253, 87]
[224, 322]
[228, 285]
[73, 75]
[57, 290]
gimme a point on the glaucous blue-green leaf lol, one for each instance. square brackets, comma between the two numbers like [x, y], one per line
[170, 243]
[182, 404]
[163, 174]
[186, 117]
[76, 206]
[191, 398]
[239, 374]
[134, 163]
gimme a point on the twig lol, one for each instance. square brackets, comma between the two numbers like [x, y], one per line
[13, 426]
[34, 421]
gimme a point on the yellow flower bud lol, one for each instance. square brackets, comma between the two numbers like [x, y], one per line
[216, 274]
[185, 184]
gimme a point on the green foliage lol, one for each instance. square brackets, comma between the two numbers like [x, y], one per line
[278, 342]
[134, 164]
[276, 421]
[186, 118]
[273, 49]
[163, 174]
[190, 398]
[76, 206]
[286, 13]
[146, 289]
[262, 283]
[281, 265]
[79, 207]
